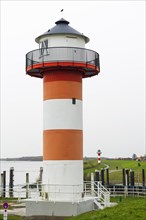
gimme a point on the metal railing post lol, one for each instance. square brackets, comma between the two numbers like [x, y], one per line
[32, 60]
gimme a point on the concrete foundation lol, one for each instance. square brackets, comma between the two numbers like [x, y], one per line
[58, 208]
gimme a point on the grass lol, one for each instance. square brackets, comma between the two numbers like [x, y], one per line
[11, 217]
[127, 209]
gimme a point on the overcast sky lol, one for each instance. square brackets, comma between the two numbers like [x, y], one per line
[113, 101]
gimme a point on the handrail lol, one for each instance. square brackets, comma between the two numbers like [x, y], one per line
[66, 53]
[61, 47]
[99, 191]
[88, 191]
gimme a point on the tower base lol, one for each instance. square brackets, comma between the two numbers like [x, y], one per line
[58, 208]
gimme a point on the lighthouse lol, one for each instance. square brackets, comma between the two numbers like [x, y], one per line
[62, 61]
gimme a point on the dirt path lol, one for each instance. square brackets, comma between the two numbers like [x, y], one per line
[114, 171]
[43, 218]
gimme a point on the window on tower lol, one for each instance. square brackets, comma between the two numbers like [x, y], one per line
[44, 47]
[73, 101]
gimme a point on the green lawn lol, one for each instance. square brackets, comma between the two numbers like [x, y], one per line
[127, 209]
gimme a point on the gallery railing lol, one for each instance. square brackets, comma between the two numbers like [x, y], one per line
[72, 55]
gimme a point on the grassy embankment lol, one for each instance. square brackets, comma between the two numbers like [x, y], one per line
[115, 175]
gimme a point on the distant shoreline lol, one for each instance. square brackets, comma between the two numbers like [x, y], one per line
[31, 158]
[40, 158]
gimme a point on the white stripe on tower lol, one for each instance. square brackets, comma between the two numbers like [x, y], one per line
[62, 114]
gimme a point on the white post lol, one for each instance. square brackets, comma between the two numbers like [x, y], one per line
[92, 183]
[19, 193]
[37, 192]
[5, 215]
[98, 190]
[126, 187]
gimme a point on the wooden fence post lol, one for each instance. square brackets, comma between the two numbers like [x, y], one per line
[124, 182]
[107, 176]
[40, 180]
[4, 184]
[143, 177]
[97, 175]
[102, 176]
[11, 183]
[27, 185]
[132, 178]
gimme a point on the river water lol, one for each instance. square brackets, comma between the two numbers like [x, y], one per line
[20, 170]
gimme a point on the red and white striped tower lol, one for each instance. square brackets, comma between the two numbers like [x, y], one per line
[62, 61]
[99, 156]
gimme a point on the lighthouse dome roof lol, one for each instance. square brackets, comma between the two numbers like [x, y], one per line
[62, 27]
